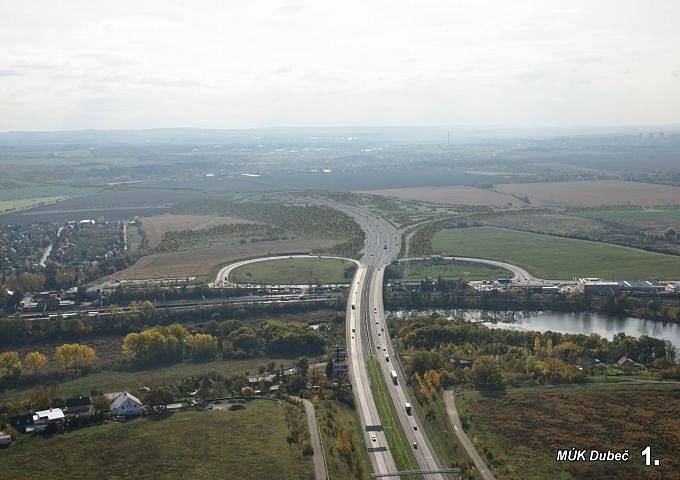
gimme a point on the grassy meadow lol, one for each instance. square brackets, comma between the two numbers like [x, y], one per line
[554, 257]
[245, 444]
[414, 271]
[300, 271]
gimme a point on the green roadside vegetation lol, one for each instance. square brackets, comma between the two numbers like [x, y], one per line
[519, 431]
[396, 439]
[449, 270]
[343, 443]
[295, 271]
[554, 257]
[252, 443]
[435, 420]
[135, 238]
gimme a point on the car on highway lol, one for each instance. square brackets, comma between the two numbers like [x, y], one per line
[415, 445]
[374, 438]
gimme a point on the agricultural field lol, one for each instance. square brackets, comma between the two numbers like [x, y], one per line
[452, 195]
[671, 216]
[205, 261]
[250, 443]
[295, 271]
[554, 257]
[520, 431]
[449, 270]
[650, 229]
[157, 226]
[7, 206]
[592, 193]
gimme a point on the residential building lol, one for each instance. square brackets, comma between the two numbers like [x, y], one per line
[126, 405]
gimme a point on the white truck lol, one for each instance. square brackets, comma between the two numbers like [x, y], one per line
[395, 379]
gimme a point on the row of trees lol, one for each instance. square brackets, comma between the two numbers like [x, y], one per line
[16, 331]
[69, 357]
[168, 344]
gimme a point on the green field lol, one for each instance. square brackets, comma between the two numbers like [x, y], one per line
[649, 214]
[519, 432]
[117, 381]
[419, 270]
[248, 444]
[300, 271]
[396, 438]
[554, 257]
[23, 203]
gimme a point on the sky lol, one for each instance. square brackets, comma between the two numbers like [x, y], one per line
[291, 63]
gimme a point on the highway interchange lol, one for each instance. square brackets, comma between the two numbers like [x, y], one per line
[368, 337]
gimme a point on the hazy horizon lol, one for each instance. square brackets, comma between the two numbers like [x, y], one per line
[298, 64]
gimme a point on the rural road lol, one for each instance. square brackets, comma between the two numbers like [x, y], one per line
[320, 469]
[454, 418]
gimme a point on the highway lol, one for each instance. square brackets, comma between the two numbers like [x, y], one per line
[381, 247]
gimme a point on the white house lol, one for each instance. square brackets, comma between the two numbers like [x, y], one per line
[126, 405]
[43, 418]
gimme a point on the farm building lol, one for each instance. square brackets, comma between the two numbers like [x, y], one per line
[21, 422]
[126, 405]
[80, 404]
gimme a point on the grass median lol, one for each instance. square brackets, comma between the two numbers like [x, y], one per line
[396, 438]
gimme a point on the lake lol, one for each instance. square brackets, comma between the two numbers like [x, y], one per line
[568, 322]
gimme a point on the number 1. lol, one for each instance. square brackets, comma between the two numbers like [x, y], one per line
[647, 454]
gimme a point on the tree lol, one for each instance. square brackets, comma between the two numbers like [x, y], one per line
[159, 396]
[202, 346]
[35, 361]
[42, 398]
[669, 234]
[10, 366]
[154, 345]
[485, 373]
[74, 356]
[295, 384]
[101, 403]
[302, 365]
